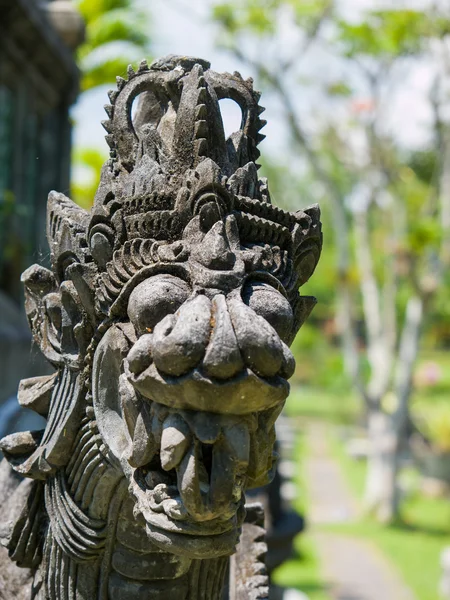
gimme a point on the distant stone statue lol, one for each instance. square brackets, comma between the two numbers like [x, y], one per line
[167, 314]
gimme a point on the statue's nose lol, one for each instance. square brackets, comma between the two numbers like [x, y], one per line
[201, 332]
[220, 336]
[222, 358]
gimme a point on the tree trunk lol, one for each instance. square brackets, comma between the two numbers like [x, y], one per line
[381, 494]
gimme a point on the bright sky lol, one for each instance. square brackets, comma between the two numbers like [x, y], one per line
[174, 31]
[182, 27]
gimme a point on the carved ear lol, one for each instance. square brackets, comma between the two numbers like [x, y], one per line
[43, 309]
[58, 320]
[67, 225]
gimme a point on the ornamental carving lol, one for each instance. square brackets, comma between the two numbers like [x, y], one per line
[167, 315]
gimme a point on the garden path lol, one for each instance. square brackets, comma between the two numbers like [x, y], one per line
[353, 569]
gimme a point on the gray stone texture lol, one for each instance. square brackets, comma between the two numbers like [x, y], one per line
[167, 316]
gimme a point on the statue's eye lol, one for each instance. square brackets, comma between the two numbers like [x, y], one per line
[155, 298]
[270, 304]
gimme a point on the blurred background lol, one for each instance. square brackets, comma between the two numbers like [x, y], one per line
[358, 108]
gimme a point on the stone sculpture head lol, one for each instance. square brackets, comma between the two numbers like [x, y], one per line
[174, 302]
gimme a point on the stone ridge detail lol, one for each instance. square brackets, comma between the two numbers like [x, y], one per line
[167, 315]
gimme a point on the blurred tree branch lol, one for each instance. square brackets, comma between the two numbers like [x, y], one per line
[387, 194]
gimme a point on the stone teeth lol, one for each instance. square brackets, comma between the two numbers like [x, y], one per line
[175, 441]
[120, 82]
[130, 72]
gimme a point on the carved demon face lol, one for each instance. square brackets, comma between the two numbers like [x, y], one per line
[199, 375]
[176, 299]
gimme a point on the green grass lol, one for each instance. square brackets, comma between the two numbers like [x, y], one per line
[303, 571]
[413, 546]
[335, 407]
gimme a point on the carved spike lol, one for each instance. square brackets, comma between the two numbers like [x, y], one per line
[130, 72]
[201, 129]
[35, 393]
[202, 96]
[262, 123]
[107, 125]
[120, 82]
[112, 95]
[109, 109]
[260, 109]
[201, 112]
[201, 147]
[260, 137]
[110, 140]
[143, 66]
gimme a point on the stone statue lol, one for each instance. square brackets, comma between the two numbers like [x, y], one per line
[167, 315]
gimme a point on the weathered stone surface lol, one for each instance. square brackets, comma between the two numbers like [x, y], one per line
[167, 315]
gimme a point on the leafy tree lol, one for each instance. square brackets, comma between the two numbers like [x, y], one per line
[117, 34]
[390, 205]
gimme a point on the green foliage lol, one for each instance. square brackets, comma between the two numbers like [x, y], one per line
[260, 16]
[113, 26]
[433, 421]
[117, 34]
[339, 88]
[391, 33]
[254, 15]
[316, 402]
[425, 165]
[92, 9]
[91, 161]
[104, 73]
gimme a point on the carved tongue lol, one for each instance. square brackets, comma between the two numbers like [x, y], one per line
[209, 474]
